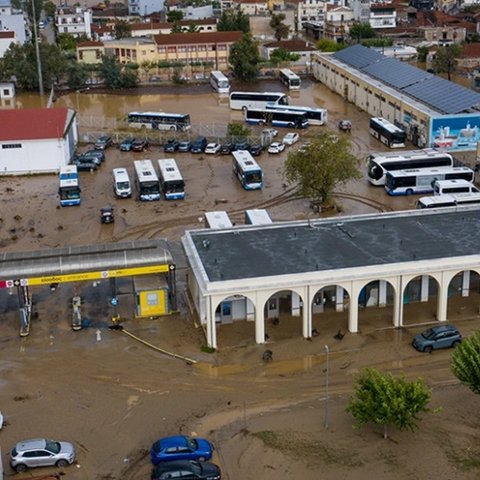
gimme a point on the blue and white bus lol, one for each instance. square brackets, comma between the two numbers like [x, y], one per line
[219, 82]
[291, 80]
[247, 170]
[159, 121]
[421, 180]
[315, 116]
[69, 189]
[146, 179]
[449, 200]
[387, 132]
[244, 100]
[276, 118]
[171, 181]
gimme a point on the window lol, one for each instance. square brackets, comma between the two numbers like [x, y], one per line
[12, 145]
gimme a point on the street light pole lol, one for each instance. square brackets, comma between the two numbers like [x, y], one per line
[327, 373]
[37, 51]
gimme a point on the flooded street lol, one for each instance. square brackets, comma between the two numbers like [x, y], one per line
[113, 396]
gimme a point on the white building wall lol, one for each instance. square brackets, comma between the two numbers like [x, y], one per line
[14, 23]
[197, 13]
[144, 7]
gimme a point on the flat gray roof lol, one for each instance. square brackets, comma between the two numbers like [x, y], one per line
[340, 242]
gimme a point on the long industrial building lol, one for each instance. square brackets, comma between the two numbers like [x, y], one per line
[433, 111]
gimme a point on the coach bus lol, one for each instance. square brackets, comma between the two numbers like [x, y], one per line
[159, 121]
[276, 118]
[171, 181]
[69, 189]
[387, 132]
[244, 100]
[421, 180]
[379, 163]
[247, 170]
[451, 200]
[315, 116]
[146, 180]
[289, 79]
[219, 82]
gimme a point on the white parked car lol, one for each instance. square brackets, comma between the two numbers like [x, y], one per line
[270, 132]
[276, 147]
[291, 138]
[212, 148]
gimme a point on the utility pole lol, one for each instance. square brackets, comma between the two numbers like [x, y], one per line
[327, 373]
[37, 51]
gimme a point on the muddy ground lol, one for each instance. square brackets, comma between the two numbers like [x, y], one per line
[113, 396]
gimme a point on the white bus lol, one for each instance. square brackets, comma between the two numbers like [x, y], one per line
[69, 188]
[387, 132]
[289, 79]
[421, 180]
[171, 181]
[146, 180]
[379, 163]
[458, 186]
[257, 216]
[244, 100]
[277, 118]
[315, 116]
[453, 200]
[219, 82]
[121, 183]
[247, 170]
[217, 220]
[159, 121]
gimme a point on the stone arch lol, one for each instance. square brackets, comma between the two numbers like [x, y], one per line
[330, 309]
[376, 305]
[283, 313]
[464, 295]
[420, 299]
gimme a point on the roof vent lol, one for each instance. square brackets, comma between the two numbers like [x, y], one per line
[206, 243]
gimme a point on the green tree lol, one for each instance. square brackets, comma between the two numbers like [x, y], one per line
[66, 41]
[233, 20]
[282, 55]
[382, 399]
[122, 29]
[49, 8]
[326, 45]
[318, 168]
[177, 28]
[238, 130]
[110, 72]
[445, 60]
[192, 28]
[422, 53]
[129, 76]
[77, 75]
[466, 362]
[281, 30]
[244, 58]
[361, 30]
[174, 16]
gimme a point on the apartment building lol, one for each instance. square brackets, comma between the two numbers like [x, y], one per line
[76, 21]
[156, 28]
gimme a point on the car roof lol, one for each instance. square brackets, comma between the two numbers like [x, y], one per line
[30, 444]
[444, 328]
[173, 441]
[173, 464]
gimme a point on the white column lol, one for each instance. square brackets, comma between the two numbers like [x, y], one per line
[398, 305]
[259, 324]
[353, 311]
[295, 304]
[442, 302]
[339, 298]
[466, 283]
[250, 310]
[211, 333]
[382, 293]
[424, 288]
[307, 314]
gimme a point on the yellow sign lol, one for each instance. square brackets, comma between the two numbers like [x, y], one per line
[79, 277]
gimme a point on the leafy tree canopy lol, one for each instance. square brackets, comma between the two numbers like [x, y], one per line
[66, 41]
[281, 30]
[382, 399]
[77, 75]
[326, 162]
[244, 58]
[177, 28]
[238, 130]
[327, 45]
[174, 16]
[49, 8]
[422, 53]
[361, 30]
[281, 55]
[445, 60]
[233, 20]
[122, 29]
[466, 362]
[115, 75]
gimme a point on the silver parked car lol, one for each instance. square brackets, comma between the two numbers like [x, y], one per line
[41, 452]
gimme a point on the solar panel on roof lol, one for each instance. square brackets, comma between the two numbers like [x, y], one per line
[358, 56]
[396, 73]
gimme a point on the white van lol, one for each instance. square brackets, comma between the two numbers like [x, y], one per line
[445, 187]
[121, 183]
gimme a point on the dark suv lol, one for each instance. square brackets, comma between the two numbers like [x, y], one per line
[171, 145]
[199, 144]
[103, 142]
[441, 336]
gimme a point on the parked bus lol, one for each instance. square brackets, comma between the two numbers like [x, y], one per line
[159, 120]
[387, 132]
[171, 181]
[421, 180]
[458, 186]
[219, 82]
[244, 100]
[69, 189]
[379, 163]
[217, 220]
[146, 180]
[276, 118]
[453, 200]
[258, 216]
[289, 79]
[247, 170]
[315, 116]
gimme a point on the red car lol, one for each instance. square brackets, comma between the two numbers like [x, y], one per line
[140, 145]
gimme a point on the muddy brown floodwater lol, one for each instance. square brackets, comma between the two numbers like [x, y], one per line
[113, 396]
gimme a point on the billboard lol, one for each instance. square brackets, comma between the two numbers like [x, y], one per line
[455, 132]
